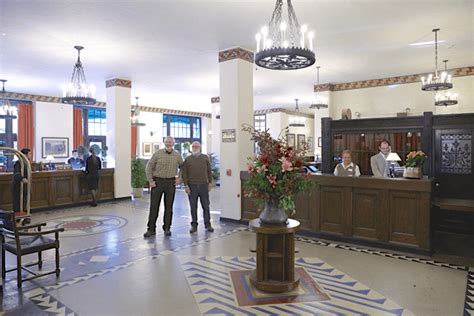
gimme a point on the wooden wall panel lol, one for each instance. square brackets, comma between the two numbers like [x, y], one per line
[61, 189]
[365, 212]
[39, 192]
[404, 217]
[332, 209]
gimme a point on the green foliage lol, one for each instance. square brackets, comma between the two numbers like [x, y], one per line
[214, 166]
[277, 171]
[81, 150]
[138, 173]
[415, 159]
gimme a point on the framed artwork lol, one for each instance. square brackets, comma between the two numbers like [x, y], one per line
[319, 141]
[58, 147]
[147, 149]
[291, 140]
[228, 135]
[156, 146]
[301, 140]
[310, 145]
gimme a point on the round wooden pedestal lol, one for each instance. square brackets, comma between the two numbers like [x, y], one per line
[275, 257]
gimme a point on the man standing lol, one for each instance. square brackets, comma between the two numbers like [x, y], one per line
[197, 178]
[161, 171]
[378, 162]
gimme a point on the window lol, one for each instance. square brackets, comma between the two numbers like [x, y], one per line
[95, 127]
[260, 122]
[8, 137]
[184, 130]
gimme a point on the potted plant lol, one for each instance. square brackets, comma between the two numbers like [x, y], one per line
[276, 175]
[214, 167]
[138, 177]
[414, 164]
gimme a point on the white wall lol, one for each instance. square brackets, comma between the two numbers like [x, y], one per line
[388, 100]
[152, 132]
[216, 131]
[52, 120]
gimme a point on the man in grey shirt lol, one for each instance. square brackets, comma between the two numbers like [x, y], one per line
[197, 178]
[378, 162]
[161, 171]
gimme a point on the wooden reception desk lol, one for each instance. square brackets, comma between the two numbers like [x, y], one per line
[385, 212]
[58, 188]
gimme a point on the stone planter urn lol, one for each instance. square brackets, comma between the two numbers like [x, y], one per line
[137, 192]
[272, 214]
[413, 173]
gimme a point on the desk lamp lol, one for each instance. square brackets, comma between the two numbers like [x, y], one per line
[392, 158]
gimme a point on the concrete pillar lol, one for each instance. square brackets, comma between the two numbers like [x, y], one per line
[236, 107]
[216, 127]
[119, 133]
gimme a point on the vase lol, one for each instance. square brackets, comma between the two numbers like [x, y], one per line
[272, 214]
[413, 173]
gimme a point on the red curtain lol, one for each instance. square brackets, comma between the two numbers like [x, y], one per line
[134, 142]
[26, 129]
[78, 137]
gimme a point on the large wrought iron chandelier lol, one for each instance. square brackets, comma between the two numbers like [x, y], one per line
[297, 120]
[320, 102]
[436, 82]
[5, 107]
[284, 44]
[446, 98]
[78, 92]
[135, 115]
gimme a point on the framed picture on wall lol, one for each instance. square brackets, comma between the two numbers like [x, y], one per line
[310, 145]
[301, 140]
[156, 146]
[147, 149]
[291, 140]
[319, 142]
[58, 147]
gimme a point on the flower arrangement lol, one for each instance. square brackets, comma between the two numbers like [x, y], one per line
[415, 159]
[277, 171]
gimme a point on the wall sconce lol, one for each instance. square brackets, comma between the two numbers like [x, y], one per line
[209, 133]
[357, 114]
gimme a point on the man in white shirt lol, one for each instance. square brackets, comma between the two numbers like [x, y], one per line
[378, 162]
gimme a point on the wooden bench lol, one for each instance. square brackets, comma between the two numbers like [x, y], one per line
[462, 205]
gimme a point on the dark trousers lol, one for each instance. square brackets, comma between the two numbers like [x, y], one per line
[199, 191]
[168, 188]
[15, 189]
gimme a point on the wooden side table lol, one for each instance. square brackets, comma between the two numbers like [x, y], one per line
[275, 257]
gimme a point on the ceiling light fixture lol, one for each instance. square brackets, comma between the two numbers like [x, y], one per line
[284, 44]
[297, 120]
[446, 98]
[320, 102]
[78, 92]
[135, 115]
[429, 43]
[6, 107]
[436, 82]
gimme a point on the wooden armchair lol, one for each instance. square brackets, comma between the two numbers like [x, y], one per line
[20, 242]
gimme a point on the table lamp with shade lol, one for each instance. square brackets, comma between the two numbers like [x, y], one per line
[50, 158]
[392, 158]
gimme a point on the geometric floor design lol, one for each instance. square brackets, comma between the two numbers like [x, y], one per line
[210, 281]
[76, 226]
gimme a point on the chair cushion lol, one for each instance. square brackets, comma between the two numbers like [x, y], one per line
[31, 244]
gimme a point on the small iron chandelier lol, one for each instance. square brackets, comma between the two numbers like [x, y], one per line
[320, 102]
[297, 120]
[446, 98]
[284, 45]
[135, 115]
[436, 82]
[6, 107]
[78, 92]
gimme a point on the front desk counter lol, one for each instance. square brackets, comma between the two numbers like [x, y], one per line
[58, 188]
[392, 213]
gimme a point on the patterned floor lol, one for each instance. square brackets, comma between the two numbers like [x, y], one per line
[212, 287]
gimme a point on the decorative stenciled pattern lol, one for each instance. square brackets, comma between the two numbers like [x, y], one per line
[169, 111]
[456, 153]
[236, 53]
[40, 98]
[469, 303]
[457, 72]
[117, 82]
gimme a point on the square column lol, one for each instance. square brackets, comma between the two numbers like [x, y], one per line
[119, 134]
[216, 127]
[236, 108]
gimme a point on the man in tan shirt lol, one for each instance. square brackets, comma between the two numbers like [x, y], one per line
[197, 178]
[161, 171]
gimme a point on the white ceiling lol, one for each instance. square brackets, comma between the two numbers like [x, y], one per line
[169, 48]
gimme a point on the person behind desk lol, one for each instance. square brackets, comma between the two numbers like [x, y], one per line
[75, 162]
[347, 168]
[378, 162]
[20, 179]
[93, 165]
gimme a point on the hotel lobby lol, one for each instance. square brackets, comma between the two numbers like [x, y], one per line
[303, 221]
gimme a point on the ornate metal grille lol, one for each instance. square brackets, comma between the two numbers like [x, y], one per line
[456, 153]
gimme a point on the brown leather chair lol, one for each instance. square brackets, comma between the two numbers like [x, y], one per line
[20, 242]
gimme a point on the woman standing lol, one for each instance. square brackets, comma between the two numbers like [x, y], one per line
[347, 168]
[93, 165]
